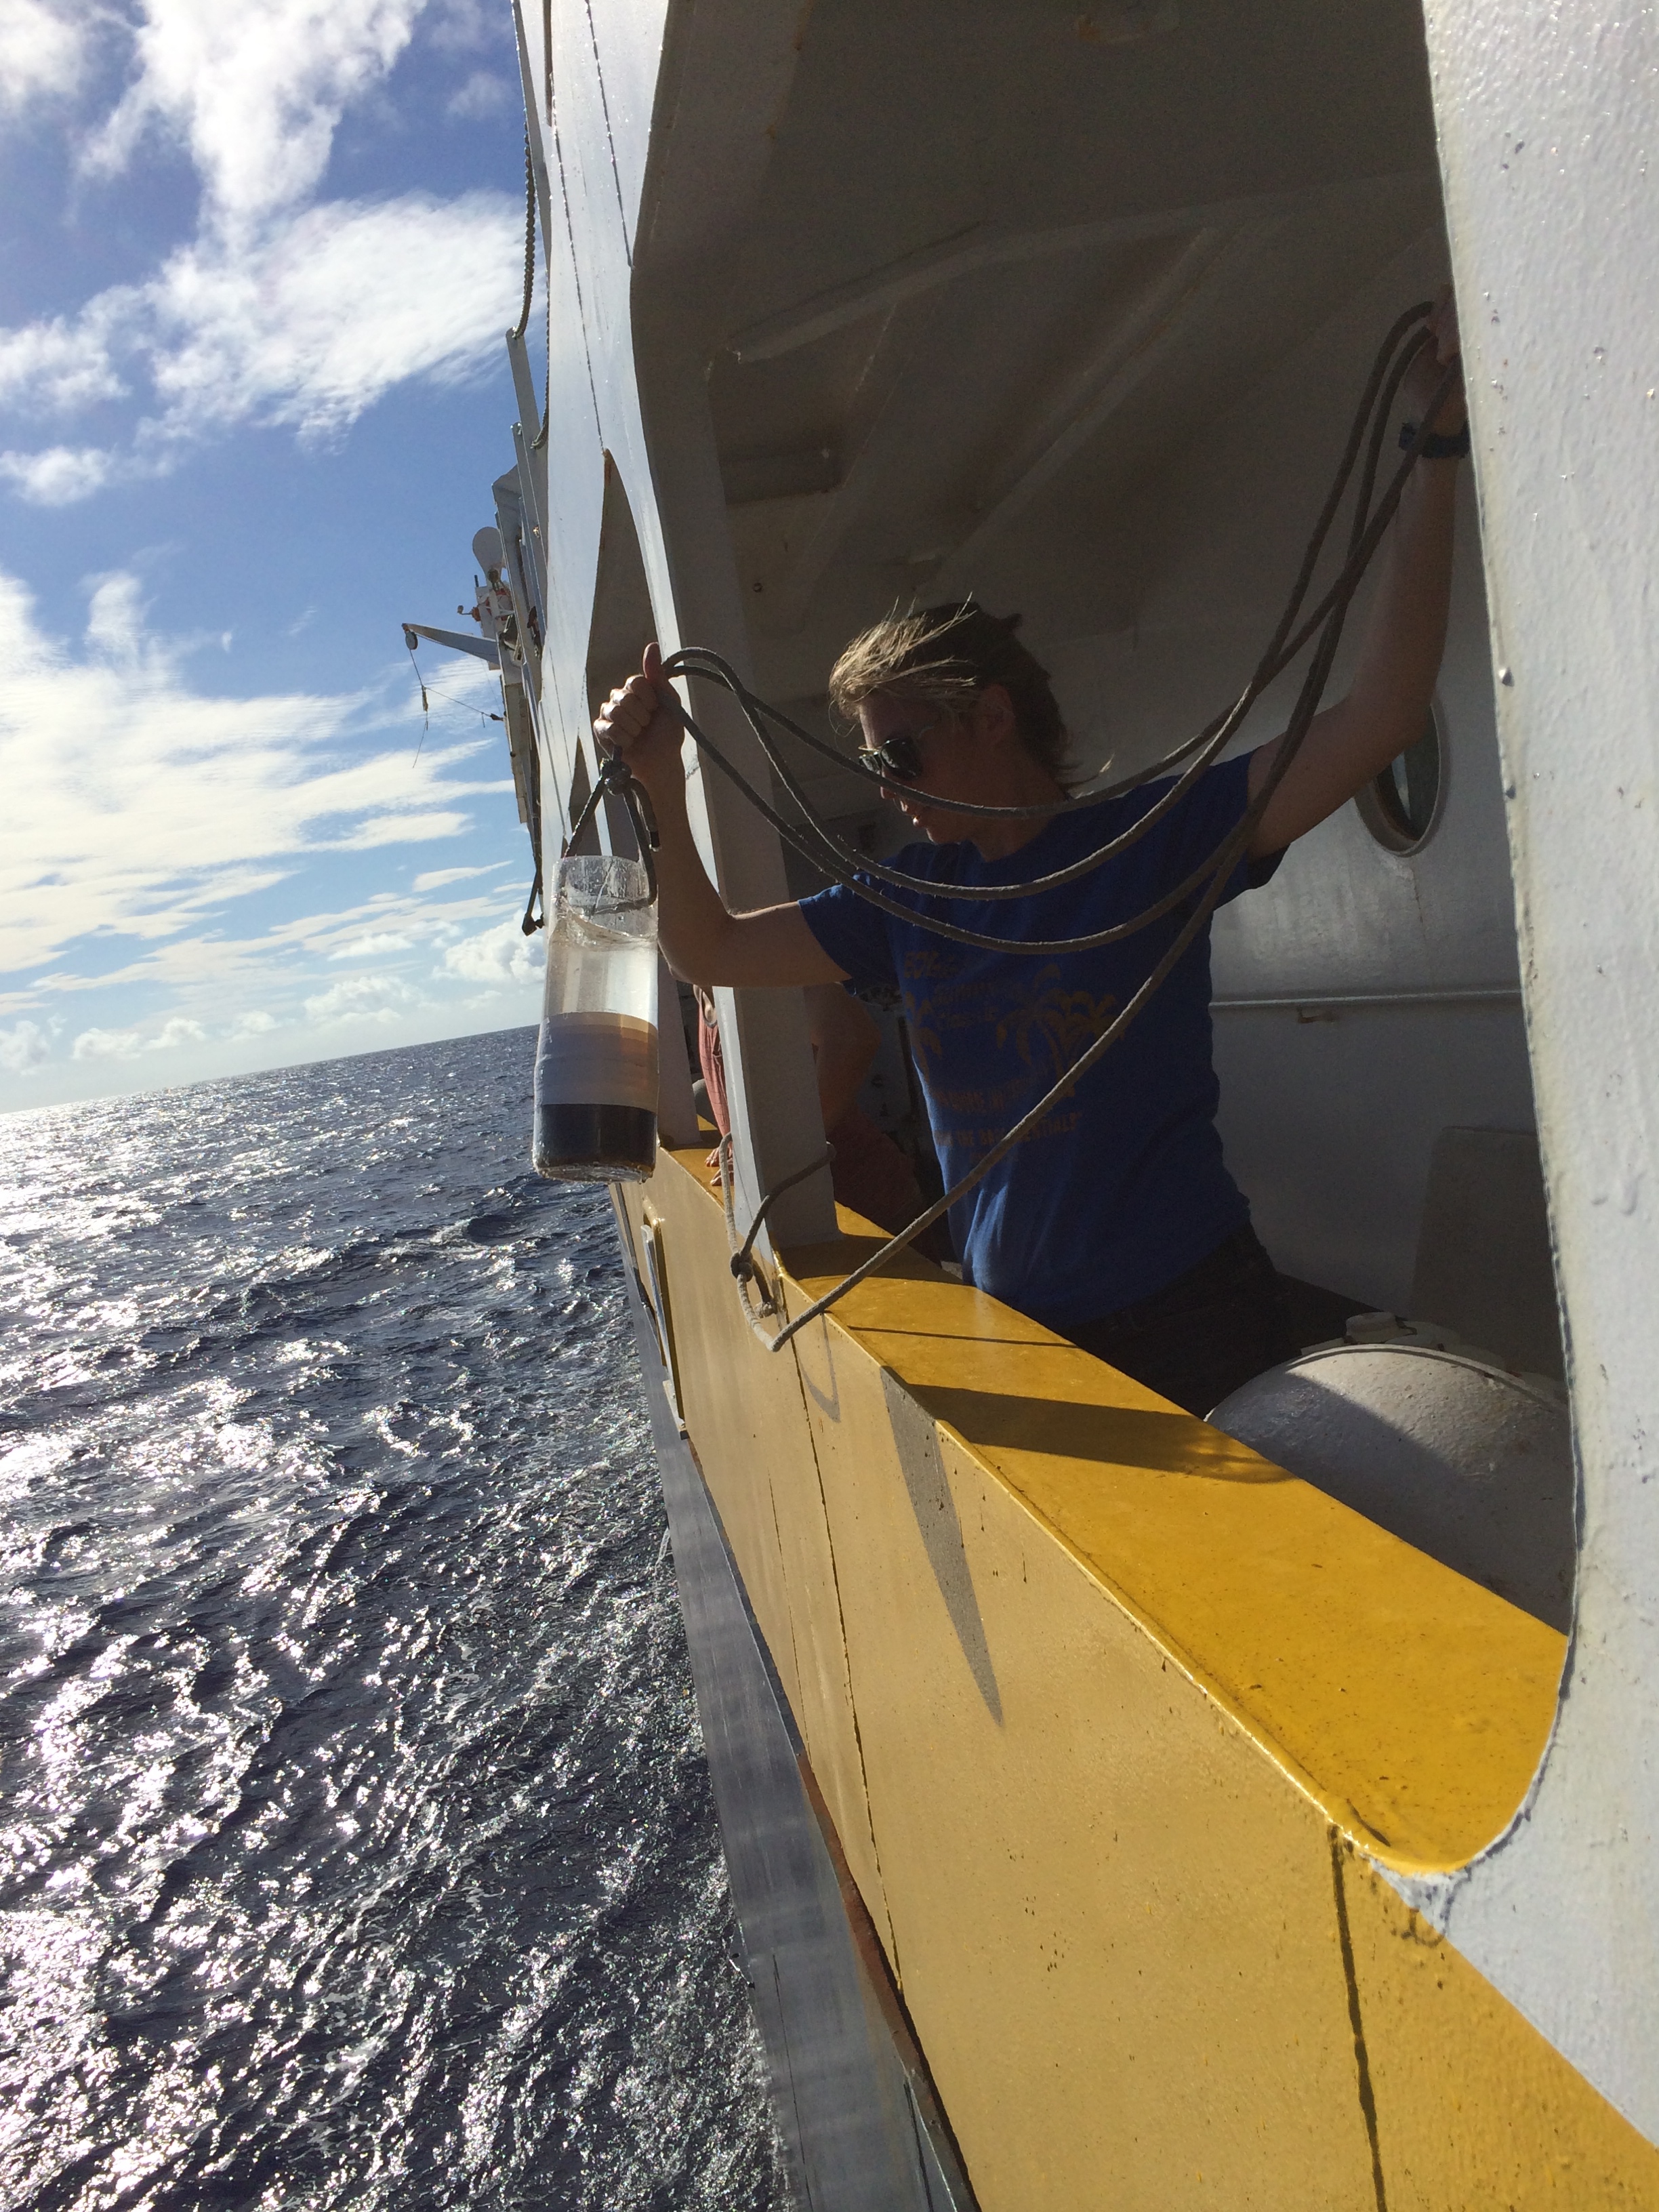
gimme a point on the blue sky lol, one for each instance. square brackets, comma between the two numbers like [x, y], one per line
[252, 395]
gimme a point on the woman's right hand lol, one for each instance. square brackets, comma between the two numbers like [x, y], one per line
[1426, 371]
[634, 724]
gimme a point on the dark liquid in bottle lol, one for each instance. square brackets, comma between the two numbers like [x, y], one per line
[595, 1143]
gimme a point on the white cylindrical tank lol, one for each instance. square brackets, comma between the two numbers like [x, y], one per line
[1449, 1451]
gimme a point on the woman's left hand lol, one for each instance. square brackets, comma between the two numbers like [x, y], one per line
[1430, 364]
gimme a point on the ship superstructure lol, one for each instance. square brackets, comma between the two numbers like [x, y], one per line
[1114, 1818]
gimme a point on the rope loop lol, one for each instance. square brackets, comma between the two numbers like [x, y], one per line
[617, 778]
[744, 1272]
[833, 857]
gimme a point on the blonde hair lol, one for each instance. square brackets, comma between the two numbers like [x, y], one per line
[947, 657]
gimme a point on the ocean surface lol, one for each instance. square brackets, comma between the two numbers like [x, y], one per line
[357, 1845]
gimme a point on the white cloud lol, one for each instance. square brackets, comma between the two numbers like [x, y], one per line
[307, 326]
[50, 367]
[435, 878]
[279, 959]
[184, 801]
[460, 25]
[407, 829]
[42, 50]
[281, 310]
[372, 947]
[256, 91]
[483, 96]
[180, 1030]
[325, 314]
[126, 1044]
[141, 809]
[495, 956]
[58, 476]
[232, 1000]
[382, 998]
[106, 1044]
[23, 1047]
[115, 618]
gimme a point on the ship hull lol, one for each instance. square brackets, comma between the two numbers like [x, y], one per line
[856, 2114]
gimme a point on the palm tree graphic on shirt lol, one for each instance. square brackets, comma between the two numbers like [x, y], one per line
[1050, 1031]
[1046, 1024]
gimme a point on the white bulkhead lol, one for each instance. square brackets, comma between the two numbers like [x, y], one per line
[1547, 120]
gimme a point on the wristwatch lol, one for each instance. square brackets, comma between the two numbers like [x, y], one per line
[1439, 446]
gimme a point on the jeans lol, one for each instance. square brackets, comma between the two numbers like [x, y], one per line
[1201, 1336]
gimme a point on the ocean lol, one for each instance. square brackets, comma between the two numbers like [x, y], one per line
[358, 1847]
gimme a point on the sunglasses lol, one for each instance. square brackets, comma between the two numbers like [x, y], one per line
[896, 759]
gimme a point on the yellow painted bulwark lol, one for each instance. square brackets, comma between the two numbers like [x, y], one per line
[1412, 1702]
[1106, 1710]
[1474, 2106]
[747, 1423]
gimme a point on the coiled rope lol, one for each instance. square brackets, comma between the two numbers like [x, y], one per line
[833, 858]
[1373, 410]
[816, 843]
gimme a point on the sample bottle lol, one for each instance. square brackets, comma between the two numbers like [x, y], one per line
[596, 1060]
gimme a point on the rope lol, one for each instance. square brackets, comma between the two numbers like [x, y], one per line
[532, 921]
[755, 1315]
[408, 640]
[1366, 534]
[838, 864]
[743, 1269]
[426, 704]
[697, 660]
[465, 705]
[523, 324]
[615, 778]
[845, 866]
[430, 691]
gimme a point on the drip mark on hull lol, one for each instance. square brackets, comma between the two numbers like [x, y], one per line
[1362, 2062]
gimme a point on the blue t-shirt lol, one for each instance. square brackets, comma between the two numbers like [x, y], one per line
[1123, 1187]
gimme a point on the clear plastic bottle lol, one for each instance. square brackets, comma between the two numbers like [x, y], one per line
[596, 1060]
